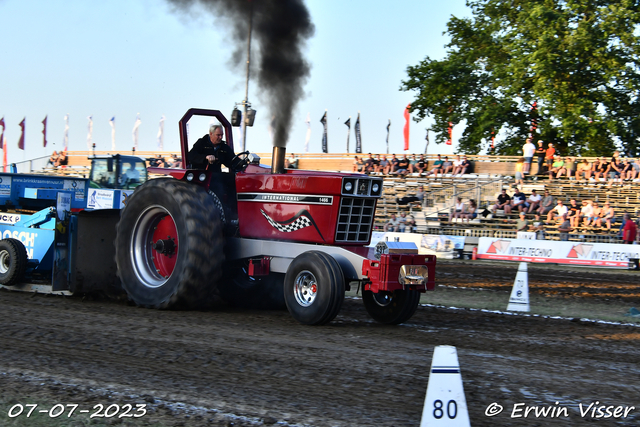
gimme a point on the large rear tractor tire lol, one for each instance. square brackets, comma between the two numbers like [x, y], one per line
[260, 292]
[391, 308]
[13, 261]
[169, 246]
[314, 288]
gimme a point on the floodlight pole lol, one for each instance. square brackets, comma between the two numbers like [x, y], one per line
[245, 119]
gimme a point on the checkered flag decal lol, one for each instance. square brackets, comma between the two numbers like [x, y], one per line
[299, 221]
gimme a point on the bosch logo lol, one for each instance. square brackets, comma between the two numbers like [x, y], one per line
[0, 180]
[74, 184]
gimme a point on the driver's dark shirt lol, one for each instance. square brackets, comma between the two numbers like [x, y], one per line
[197, 156]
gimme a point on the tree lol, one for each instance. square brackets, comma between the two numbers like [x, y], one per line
[562, 71]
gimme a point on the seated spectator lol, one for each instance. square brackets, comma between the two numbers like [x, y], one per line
[519, 200]
[556, 167]
[559, 210]
[464, 166]
[584, 170]
[53, 159]
[636, 169]
[62, 159]
[547, 203]
[447, 165]
[586, 212]
[627, 170]
[384, 167]
[402, 222]
[392, 224]
[376, 163]
[470, 211]
[538, 228]
[534, 201]
[437, 166]
[522, 224]
[394, 164]
[607, 215]
[564, 228]
[293, 162]
[614, 171]
[596, 216]
[403, 166]
[600, 168]
[519, 175]
[412, 199]
[568, 169]
[503, 202]
[369, 165]
[456, 164]
[176, 162]
[358, 164]
[629, 230]
[410, 224]
[421, 165]
[413, 162]
[573, 213]
[458, 209]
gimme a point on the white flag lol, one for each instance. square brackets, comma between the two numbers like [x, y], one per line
[306, 142]
[160, 134]
[65, 141]
[112, 122]
[135, 131]
[90, 131]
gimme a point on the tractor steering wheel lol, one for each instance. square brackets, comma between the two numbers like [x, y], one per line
[240, 161]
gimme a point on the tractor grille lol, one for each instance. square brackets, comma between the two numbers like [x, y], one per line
[355, 219]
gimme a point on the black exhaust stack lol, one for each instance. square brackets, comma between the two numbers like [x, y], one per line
[277, 159]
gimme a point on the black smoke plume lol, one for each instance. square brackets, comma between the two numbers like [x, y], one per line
[280, 31]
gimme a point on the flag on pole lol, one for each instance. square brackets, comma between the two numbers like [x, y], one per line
[348, 123]
[112, 123]
[161, 134]
[44, 132]
[2, 135]
[65, 141]
[4, 151]
[407, 117]
[358, 135]
[90, 132]
[450, 133]
[308, 138]
[136, 125]
[323, 120]
[388, 127]
[21, 140]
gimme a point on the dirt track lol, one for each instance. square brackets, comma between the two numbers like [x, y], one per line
[232, 367]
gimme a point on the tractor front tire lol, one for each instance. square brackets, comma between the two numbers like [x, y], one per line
[169, 246]
[13, 261]
[391, 308]
[314, 288]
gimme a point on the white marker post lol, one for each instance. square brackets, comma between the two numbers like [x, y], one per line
[445, 404]
[519, 300]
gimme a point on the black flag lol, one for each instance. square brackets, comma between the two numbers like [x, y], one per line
[358, 136]
[388, 126]
[348, 123]
[323, 120]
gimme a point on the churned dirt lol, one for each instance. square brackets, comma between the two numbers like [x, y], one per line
[243, 368]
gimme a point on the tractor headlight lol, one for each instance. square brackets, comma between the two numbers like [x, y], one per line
[190, 176]
[348, 186]
[375, 188]
[202, 177]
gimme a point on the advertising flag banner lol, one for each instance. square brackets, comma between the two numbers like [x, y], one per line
[21, 140]
[358, 135]
[65, 140]
[44, 132]
[348, 123]
[161, 134]
[450, 133]
[2, 134]
[308, 138]
[89, 132]
[388, 127]
[407, 117]
[134, 133]
[323, 120]
[112, 123]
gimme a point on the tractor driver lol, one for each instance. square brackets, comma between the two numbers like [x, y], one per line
[211, 150]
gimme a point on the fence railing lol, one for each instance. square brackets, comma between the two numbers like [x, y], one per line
[482, 190]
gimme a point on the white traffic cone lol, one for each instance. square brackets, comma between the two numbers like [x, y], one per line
[445, 404]
[519, 299]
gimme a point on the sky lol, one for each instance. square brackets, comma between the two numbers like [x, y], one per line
[121, 58]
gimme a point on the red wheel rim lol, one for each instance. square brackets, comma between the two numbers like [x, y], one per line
[164, 230]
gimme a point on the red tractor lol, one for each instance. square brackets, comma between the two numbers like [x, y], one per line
[260, 236]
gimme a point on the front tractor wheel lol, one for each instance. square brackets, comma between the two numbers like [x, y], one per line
[391, 308]
[169, 246]
[314, 288]
[13, 261]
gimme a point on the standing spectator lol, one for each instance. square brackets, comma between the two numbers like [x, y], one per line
[573, 213]
[503, 202]
[458, 210]
[614, 170]
[528, 150]
[584, 170]
[564, 228]
[437, 166]
[549, 155]
[547, 203]
[358, 164]
[522, 224]
[519, 174]
[608, 215]
[560, 209]
[519, 200]
[534, 201]
[447, 165]
[419, 197]
[541, 152]
[629, 230]
[403, 166]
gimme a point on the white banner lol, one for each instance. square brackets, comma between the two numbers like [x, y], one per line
[575, 253]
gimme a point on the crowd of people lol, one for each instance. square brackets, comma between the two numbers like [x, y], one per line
[405, 165]
[58, 159]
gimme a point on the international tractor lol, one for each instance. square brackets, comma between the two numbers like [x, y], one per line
[252, 235]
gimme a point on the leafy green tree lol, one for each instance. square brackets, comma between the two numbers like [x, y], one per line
[566, 72]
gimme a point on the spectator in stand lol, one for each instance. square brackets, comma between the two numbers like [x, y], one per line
[384, 166]
[458, 210]
[503, 202]
[393, 164]
[519, 173]
[541, 152]
[470, 211]
[556, 167]
[560, 209]
[547, 203]
[573, 213]
[629, 230]
[392, 224]
[53, 159]
[412, 163]
[549, 156]
[456, 164]
[402, 222]
[614, 170]
[418, 198]
[564, 228]
[586, 212]
[62, 159]
[292, 162]
[409, 224]
[568, 169]
[376, 163]
[534, 201]
[358, 164]
[522, 224]
[583, 170]
[464, 165]
[600, 169]
[421, 165]
[608, 215]
[447, 165]
[626, 174]
[596, 215]
[437, 166]
[519, 200]
[403, 166]
[528, 151]
[636, 169]
[369, 165]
